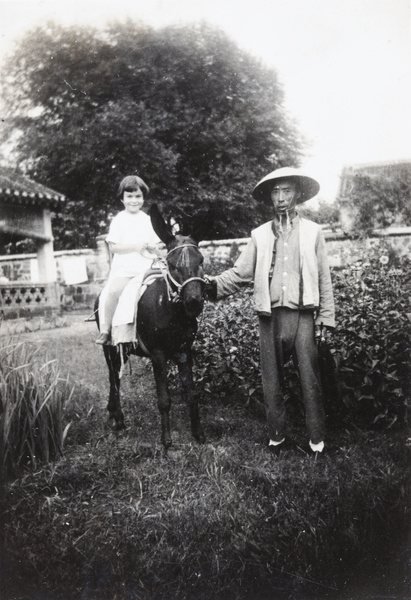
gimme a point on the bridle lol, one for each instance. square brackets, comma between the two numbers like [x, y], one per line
[177, 295]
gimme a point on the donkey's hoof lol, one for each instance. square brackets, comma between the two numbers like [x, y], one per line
[116, 424]
[167, 443]
[199, 436]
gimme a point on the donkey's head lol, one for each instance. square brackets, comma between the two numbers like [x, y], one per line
[185, 264]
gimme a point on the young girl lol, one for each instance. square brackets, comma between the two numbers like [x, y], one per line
[131, 240]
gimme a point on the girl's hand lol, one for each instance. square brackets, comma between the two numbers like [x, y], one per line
[151, 249]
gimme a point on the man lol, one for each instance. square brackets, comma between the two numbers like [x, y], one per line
[286, 258]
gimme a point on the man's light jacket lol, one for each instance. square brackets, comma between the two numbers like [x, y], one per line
[254, 265]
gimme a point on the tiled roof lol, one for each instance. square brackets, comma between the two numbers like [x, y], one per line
[15, 188]
[381, 164]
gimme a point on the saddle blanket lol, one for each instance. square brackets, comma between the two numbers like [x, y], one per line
[124, 325]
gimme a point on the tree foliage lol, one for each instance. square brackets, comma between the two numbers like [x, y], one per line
[200, 120]
[324, 214]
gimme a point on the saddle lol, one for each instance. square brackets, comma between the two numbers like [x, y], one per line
[124, 326]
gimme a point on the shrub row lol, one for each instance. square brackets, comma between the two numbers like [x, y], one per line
[370, 346]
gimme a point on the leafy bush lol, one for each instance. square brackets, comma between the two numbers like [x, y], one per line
[227, 349]
[31, 409]
[372, 341]
[370, 345]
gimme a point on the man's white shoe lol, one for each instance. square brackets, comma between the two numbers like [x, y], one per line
[317, 447]
[273, 443]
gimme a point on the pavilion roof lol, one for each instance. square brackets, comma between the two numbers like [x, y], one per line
[16, 188]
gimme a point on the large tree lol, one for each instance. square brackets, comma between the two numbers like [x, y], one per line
[199, 119]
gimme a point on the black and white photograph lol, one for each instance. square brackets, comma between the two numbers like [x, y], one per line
[205, 299]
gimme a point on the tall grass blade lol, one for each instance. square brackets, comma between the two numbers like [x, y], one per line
[32, 401]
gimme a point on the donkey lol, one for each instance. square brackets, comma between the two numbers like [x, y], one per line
[166, 328]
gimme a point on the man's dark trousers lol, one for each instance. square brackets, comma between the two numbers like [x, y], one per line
[284, 334]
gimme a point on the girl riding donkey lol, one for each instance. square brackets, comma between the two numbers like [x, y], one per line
[132, 241]
[165, 326]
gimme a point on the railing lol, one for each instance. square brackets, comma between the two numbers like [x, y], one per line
[28, 299]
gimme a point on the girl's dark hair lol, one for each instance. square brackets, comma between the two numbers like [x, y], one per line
[132, 183]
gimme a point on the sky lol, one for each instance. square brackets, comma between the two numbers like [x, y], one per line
[345, 65]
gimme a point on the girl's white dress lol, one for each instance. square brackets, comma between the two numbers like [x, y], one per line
[127, 228]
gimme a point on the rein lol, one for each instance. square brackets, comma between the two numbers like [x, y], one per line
[177, 296]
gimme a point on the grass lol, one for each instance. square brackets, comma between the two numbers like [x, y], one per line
[117, 519]
[32, 398]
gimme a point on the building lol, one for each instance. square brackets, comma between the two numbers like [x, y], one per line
[384, 182]
[25, 212]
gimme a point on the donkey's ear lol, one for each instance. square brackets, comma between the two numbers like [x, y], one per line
[203, 226]
[162, 229]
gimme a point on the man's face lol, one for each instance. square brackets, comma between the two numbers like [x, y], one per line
[284, 195]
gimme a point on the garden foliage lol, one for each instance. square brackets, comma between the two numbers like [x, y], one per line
[370, 345]
[373, 339]
[32, 399]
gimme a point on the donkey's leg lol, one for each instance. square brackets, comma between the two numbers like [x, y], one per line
[113, 360]
[184, 361]
[159, 362]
